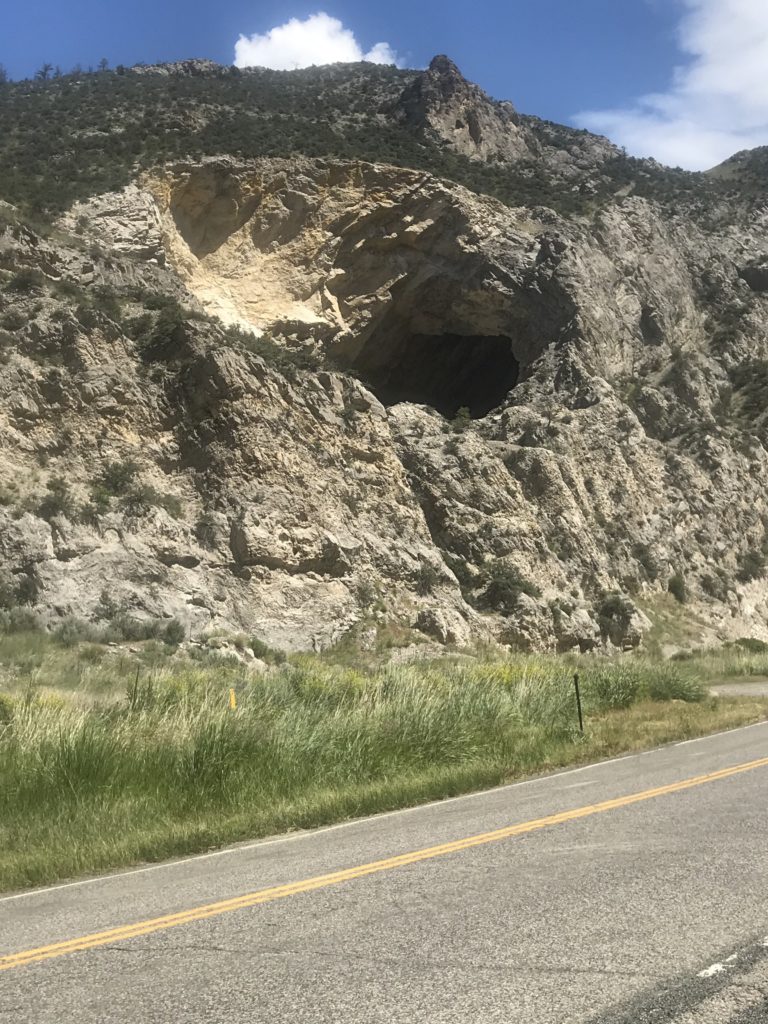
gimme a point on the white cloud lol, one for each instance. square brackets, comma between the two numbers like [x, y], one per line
[320, 39]
[717, 102]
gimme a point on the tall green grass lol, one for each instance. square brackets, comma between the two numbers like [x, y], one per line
[89, 781]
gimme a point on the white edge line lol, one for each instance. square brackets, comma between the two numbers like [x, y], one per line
[309, 833]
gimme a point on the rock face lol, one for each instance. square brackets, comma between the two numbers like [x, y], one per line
[462, 115]
[312, 397]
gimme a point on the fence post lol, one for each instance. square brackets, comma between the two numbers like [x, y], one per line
[578, 701]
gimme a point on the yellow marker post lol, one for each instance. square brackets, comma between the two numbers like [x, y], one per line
[232, 699]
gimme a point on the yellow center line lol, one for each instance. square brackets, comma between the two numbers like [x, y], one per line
[279, 892]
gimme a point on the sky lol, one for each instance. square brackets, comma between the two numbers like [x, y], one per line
[684, 81]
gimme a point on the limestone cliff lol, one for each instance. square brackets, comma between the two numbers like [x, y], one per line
[312, 397]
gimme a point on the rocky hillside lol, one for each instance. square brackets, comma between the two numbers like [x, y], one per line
[360, 355]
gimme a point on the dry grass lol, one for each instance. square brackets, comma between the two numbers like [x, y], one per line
[101, 773]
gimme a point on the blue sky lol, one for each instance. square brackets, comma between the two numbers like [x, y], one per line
[641, 71]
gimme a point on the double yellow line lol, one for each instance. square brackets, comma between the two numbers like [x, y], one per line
[157, 924]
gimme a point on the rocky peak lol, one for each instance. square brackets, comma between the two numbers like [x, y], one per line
[442, 101]
[187, 68]
[446, 75]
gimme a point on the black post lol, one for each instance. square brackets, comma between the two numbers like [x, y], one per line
[578, 701]
[134, 695]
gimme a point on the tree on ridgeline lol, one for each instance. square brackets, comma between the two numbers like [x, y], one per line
[44, 73]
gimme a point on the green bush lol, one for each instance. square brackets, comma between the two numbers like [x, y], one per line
[266, 653]
[427, 579]
[87, 317]
[461, 420]
[615, 686]
[126, 627]
[13, 320]
[117, 478]
[19, 620]
[22, 282]
[615, 613]
[7, 708]
[503, 585]
[752, 644]
[73, 631]
[716, 585]
[58, 501]
[143, 497]
[677, 588]
[174, 633]
[666, 682]
[751, 566]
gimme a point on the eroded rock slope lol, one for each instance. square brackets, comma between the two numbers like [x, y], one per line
[309, 398]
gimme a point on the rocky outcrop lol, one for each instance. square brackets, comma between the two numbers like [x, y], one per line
[312, 397]
[461, 114]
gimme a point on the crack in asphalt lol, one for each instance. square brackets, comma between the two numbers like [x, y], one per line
[680, 999]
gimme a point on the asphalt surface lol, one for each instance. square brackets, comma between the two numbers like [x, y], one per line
[652, 911]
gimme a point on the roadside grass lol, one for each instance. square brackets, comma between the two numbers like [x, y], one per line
[96, 777]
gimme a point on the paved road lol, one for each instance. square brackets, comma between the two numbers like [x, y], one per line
[614, 894]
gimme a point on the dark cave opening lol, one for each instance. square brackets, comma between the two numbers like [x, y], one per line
[445, 371]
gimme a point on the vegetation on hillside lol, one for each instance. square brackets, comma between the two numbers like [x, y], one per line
[64, 137]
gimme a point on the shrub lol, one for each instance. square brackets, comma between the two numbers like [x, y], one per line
[126, 627]
[644, 555]
[142, 497]
[365, 593]
[503, 586]
[287, 361]
[461, 420]
[7, 708]
[73, 631]
[117, 478]
[174, 633]
[19, 620]
[752, 644]
[751, 566]
[716, 585]
[157, 344]
[58, 501]
[461, 570]
[105, 299]
[107, 609]
[28, 587]
[22, 282]
[266, 653]
[139, 327]
[616, 686]
[666, 682]
[615, 613]
[677, 588]
[427, 579]
[13, 320]
[205, 530]
[86, 317]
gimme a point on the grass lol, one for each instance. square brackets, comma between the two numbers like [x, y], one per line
[100, 770]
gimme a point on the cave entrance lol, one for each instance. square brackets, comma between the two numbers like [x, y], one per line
[445, 371]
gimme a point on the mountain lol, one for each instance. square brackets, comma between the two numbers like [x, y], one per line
[360, 355]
